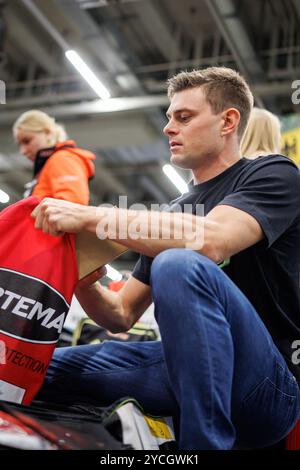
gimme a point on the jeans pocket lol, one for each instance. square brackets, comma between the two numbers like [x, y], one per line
[267, 414]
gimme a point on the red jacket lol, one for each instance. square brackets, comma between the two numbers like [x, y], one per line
[65, 173]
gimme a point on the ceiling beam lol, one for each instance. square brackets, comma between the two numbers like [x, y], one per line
[113, 105]
[297, 8]
[237, 40]
[43, 20]
[99, 44]
[87, 4]
[29, 42]
[157, 27]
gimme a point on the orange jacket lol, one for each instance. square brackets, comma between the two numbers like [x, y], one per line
[66, 173]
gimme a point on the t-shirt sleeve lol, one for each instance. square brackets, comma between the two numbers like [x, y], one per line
[142, 269]
[270, 192]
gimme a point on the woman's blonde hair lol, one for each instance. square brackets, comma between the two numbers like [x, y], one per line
[38, 121]
[262, 135]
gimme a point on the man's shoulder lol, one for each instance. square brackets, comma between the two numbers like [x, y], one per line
[270, 166]
[270, 160]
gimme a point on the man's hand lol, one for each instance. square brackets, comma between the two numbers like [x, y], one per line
[55, 216]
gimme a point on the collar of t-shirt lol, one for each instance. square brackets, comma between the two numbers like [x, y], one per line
[197, 188]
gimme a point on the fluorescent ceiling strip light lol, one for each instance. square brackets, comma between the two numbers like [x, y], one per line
[87, 74]
[176, 179]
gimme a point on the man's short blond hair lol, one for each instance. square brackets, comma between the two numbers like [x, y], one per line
[223, 87]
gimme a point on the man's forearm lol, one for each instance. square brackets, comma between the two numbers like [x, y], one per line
[148, 232]
[103, 306]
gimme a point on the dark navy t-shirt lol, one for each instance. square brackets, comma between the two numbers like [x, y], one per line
[268, 188]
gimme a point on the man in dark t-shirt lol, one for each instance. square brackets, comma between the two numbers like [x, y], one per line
[227, 365]
[268, 271]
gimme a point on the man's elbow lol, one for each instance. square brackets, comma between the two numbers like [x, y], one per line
[213, 252]
[123, 324]
[120, 327]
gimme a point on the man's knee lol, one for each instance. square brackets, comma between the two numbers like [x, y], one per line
[170, 263]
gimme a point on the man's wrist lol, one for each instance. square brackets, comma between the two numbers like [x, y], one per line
[92, 218]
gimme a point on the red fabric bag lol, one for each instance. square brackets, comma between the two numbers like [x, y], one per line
[38, 275]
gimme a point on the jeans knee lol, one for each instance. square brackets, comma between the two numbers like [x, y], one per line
[181, 267]
[179, 263]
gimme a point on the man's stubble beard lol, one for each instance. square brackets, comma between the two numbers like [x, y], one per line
[187, 162]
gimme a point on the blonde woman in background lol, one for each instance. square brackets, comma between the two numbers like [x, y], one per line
[61, 169]
[262, 136]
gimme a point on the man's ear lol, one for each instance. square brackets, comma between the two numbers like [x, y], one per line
[231, 120]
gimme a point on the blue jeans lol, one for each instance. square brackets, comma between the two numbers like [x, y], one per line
[216, 369]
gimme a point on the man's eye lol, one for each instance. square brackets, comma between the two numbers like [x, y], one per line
[184, 118]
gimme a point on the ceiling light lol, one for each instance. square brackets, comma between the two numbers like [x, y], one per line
[4, 197]
[176, 179]
[87, 74]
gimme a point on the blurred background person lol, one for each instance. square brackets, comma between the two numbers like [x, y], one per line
[263, 134]
[60, 169]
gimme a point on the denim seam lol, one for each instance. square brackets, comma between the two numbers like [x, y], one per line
[279, 390]
[287, 377]
[210, 365]
[253, 391]
[291, 400]
[260, 384]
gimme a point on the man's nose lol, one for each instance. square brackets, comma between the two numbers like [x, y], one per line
[170, 128]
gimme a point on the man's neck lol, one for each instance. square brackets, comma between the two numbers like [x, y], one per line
[214, 167]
